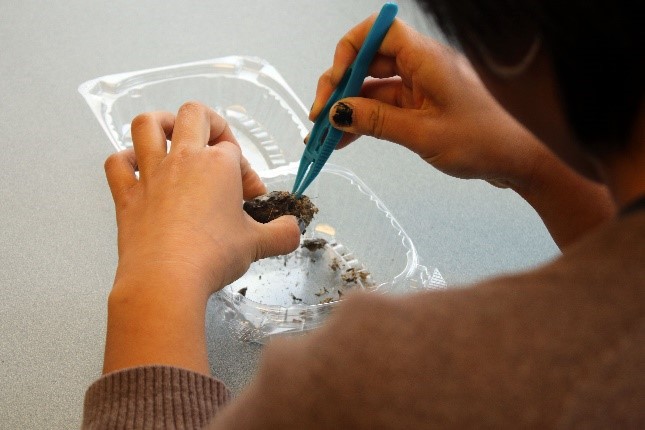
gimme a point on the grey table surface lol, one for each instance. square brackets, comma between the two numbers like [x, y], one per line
[58, 233]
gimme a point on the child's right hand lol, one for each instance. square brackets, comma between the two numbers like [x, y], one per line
[426, 97]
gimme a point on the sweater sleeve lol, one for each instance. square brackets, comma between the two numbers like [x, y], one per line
[153, 397]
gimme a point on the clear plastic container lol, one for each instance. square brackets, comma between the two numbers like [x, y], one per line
[363, 247]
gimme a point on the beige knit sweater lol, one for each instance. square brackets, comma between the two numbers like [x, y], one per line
[562, 346]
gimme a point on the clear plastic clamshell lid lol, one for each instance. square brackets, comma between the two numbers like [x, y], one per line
[353, 243]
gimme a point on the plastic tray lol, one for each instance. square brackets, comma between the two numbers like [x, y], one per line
[365, 247]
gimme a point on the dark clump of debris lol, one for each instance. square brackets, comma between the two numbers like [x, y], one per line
[270, 206]
[242, 291]
[314, 244]
[295, 299]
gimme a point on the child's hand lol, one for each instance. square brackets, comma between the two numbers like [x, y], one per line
[184, 216]
[182, 235]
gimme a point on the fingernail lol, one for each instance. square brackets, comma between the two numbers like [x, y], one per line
[342, 116]
[302, 225]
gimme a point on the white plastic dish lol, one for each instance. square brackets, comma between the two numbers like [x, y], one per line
[366, 248]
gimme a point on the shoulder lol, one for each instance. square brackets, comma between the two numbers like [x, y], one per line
[512, 351]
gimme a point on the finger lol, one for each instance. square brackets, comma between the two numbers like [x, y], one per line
[198, 125]
[278, 237]
[228, 158]
[347, 49]
[383, 67]
[345, 140]
[370, 117]
[384, 90]
[231, 164]
[345, 53]
[384, 63]
[150, 132]
[120, 173]
[323, 92]
[398, 37]
[252, 185]
[192, 127]
[219, 130]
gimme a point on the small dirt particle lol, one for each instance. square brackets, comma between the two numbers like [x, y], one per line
[322, 292]
[335, 265]
[314, 244]
[350, 276]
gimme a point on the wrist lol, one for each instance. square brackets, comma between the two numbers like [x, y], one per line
[569, 204]
[533, 175]
[523, 154]
[155, 290]
[156, 318]
[175, 278]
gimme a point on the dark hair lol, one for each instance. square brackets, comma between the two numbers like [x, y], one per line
[596, 48]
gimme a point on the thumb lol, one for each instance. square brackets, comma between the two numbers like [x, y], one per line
[363, 116]
[278, 237]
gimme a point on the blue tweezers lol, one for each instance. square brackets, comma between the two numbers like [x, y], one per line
[324, 138]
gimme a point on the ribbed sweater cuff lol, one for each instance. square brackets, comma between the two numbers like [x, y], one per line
[153, 397]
